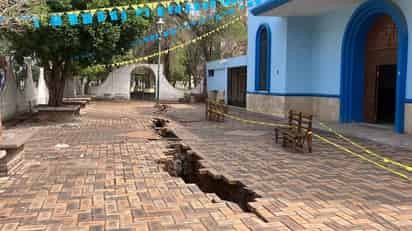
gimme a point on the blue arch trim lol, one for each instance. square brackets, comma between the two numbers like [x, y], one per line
[261, 28]
[267, 5]
[352, 69]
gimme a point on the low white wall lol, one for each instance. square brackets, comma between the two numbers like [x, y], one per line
[42, 91]
[14, 101]
[117, 85]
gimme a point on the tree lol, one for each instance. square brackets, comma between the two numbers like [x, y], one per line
[61, 50]
[210, 48]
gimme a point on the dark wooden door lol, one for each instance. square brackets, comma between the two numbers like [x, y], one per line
[236, 90]
[381, 49]
[370, 102]
[386, 90]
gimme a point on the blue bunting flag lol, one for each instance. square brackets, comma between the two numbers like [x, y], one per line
[87, 18]
[73, 19]
[36, 22]
[139, 11]
[101, 16]
[113, 15]
[147, 12]
[178, 9]
[160, 11]
[213, 4]
[188, 7]
[56, 20]
[205, 5]
[196, 6]
[170, 10]
[123, 16]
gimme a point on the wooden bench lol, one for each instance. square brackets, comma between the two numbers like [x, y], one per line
[216, 110]
[297, 133]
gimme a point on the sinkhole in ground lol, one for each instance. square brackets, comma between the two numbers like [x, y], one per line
[182, 162]
[160, 125]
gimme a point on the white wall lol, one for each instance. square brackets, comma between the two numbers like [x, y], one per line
[14, 101]
[117, 85]
[219, 81]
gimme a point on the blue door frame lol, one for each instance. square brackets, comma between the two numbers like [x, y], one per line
[353, 55]
[262, 27]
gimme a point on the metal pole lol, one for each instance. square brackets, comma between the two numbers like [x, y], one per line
[158, 68]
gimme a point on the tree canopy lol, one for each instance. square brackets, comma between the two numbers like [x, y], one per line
[62, 50]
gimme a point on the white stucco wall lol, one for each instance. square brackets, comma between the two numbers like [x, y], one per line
[218, 82]
[14, 101]
[117, 85]
[42, 91]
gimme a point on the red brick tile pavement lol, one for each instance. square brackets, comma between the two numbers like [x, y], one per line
[324, 190]
[109, 179]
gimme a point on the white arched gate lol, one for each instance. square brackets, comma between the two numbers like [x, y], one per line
[117, 85]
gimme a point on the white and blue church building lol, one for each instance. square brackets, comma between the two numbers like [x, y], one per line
[340, 60]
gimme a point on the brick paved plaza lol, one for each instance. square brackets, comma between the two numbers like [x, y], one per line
[102, 173]
[107, 178]
[324, 190]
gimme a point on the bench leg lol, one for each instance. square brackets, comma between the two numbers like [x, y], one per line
[276, 135]
[294, 145]
[310, 143]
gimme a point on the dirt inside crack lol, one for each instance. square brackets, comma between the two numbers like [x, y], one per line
[182, 162]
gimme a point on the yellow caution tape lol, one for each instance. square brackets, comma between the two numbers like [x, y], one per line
[361, 157]
[383, 158]
[325, 140]
[124, 7]
[252, 121]
[136, 60]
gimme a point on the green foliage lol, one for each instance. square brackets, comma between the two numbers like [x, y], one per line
[67, 49]
[93, 44]
[177, 69]
[93, 72]
[191, 61]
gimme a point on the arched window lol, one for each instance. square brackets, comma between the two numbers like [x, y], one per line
[262, 69]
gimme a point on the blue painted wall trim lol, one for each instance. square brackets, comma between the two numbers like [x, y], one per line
[408, 100]
[293, 94]
[352, 69]
[261, 28]
[268, 5]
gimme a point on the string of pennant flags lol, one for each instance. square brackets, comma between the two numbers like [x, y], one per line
[186, 26]
[164, 52]
[121, 13]
[172, 31]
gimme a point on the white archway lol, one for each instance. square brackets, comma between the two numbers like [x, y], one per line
[117, 84]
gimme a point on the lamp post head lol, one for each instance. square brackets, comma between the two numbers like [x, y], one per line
[160, 24]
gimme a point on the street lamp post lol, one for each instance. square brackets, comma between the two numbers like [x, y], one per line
[159, 24]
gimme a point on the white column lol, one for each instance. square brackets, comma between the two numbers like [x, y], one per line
[29, 89]
[42, 91]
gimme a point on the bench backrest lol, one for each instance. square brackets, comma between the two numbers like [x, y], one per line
[300, 122]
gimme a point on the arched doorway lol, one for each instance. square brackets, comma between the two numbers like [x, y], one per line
[142, 84]
[374, 61]
[381, 59]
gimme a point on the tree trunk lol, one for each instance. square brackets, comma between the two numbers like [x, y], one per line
[55, 80]
[190, 81]
[207, 54]
[166, 63]
[87, 86]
